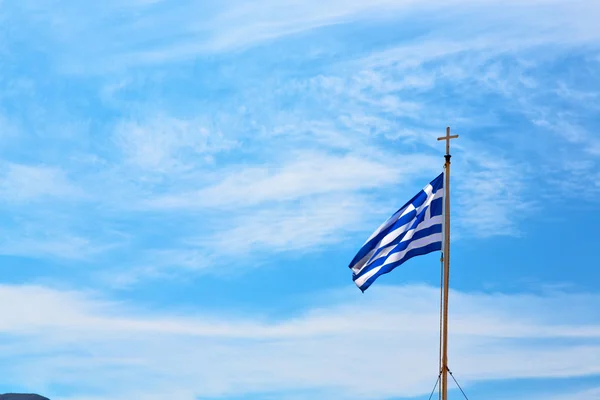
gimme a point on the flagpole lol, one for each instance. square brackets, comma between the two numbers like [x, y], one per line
[446, 258]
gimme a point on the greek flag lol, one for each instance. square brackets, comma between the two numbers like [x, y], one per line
[414, 230]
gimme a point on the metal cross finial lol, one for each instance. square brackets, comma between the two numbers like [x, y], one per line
[447, 139]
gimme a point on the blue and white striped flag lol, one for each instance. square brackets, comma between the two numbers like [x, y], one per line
[414, 230]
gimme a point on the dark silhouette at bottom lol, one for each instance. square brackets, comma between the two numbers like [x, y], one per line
[16, 396]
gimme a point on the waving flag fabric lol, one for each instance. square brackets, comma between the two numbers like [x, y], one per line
[414, 230]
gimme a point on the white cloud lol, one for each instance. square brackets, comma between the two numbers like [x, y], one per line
[79, 339]
[21, 182]
[55, 244]
[312, 224]
[303, 175]
[376, 102]
[167, 144]
[560, 120]
[490, 193]
[307, 224]
[490, 185]
[58, 233]
[60, 246]
[312, 199]
[46, 219]
[238, 25]
[138, 35]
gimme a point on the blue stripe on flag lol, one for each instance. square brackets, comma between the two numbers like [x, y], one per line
[437, 206]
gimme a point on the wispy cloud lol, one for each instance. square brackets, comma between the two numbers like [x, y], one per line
[302, 175]
[307, 225]
[269, 162]
[61, 245]
[88, 339]
[48, 216]
[138, 38]
[22, 183]
[168, 145]
[58, 233]
[490, 194]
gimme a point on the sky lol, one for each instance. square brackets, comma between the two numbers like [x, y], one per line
[184, 183]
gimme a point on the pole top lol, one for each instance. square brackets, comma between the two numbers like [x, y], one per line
[447, 138]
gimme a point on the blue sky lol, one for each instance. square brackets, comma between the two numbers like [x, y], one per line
[183, 184]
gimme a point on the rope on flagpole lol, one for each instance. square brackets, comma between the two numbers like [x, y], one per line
[436, 384]
[455, 381]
